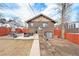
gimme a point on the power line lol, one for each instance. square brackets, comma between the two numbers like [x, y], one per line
[32, 9]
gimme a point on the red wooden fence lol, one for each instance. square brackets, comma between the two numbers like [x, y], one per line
[73, 37]
[18, 30]
[22, 30]
[57, 33]
[4, 31]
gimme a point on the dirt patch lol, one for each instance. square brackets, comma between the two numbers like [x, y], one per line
[15, 47]
[58, 47]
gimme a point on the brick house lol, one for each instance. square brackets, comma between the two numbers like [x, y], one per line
[41, 24]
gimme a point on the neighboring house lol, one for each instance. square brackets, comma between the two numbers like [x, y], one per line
[72, 27]
[41, 24]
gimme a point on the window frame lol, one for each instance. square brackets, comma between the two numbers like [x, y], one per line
[45, 25]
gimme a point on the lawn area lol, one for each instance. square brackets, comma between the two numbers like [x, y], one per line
[12, 47]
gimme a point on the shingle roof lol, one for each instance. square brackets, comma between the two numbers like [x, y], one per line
[39, 16]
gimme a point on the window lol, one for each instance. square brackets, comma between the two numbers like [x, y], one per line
[76, 25]
[73, 25]
[69, 26]
[45, 25]
[31, 24]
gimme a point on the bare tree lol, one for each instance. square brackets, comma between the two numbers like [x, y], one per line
[65, 8]
[64, 11]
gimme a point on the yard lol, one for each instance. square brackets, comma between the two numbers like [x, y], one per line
[12, 47]
[58, 47]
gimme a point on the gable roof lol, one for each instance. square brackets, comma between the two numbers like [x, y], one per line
[39, 16]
